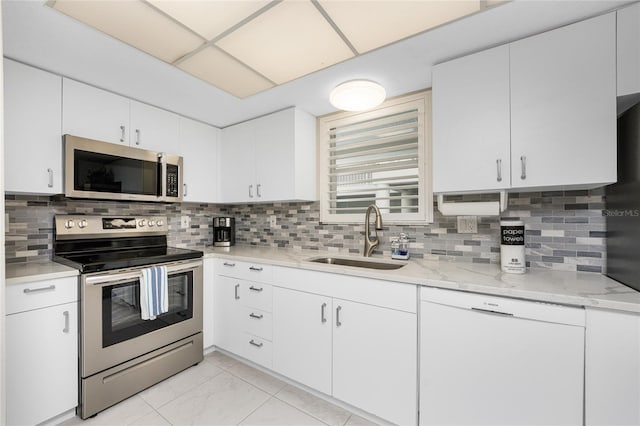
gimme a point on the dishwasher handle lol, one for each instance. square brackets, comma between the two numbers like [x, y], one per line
[490, 312]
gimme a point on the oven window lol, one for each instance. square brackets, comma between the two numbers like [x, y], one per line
[110, 173]
[121, 318]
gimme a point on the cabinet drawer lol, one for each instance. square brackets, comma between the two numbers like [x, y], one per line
[41, 294]
[257, 350]
[245, 270]
[257, 323]
[256, 295]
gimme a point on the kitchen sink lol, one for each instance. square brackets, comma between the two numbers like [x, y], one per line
[358, 263]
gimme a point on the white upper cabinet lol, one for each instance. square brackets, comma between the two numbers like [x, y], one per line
[537, 113]
[104, 116]
[629, 50]
[33, 142]
[199, 149]
[563, 106]
[271, 158]
[471, 122]
[154, 129]
[92, 113]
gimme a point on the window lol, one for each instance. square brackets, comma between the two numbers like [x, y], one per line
[379, 156]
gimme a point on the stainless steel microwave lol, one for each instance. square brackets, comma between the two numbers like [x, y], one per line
[102, 170]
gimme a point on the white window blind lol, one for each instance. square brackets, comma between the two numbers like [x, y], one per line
[379, 157]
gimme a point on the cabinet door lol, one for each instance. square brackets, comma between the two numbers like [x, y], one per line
[471, 140]
[563, 106]
[154, 129]
[42, 363]
[375, 360]
[275, 160]
[199, 149]
[93, 113]
[208, 317]
[226, 311]
[302, 328]
[33, 142]
[612, 368]
[628, 47]
[237, 165]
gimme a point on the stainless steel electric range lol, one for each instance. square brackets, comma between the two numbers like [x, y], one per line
[120, 353]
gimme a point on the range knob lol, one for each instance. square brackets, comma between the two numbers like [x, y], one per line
[152, 223]
[69, 224]
[160, 223]
[82, 224]
[141, 223]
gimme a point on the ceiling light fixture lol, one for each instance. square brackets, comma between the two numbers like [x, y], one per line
[357, 95]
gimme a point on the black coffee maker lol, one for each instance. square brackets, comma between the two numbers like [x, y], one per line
[224, 231]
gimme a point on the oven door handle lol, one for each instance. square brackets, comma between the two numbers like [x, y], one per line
[112, 279]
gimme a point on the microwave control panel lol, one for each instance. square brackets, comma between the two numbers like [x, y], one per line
[172, 181]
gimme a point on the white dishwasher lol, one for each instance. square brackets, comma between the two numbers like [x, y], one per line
[487, 360]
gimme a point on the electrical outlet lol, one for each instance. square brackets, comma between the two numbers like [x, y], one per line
[272, 220]
[185, 221]
[467, 224]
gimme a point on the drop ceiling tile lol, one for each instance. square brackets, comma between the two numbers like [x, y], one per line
[209, 18]
[288, 41]
[134, 23]
[369, 24]
[221, 70]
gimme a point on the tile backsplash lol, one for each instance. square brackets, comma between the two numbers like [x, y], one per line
[565, 230]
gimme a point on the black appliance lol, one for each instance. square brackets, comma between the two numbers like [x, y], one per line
[622, 205]
[121, 353]
[224, 231]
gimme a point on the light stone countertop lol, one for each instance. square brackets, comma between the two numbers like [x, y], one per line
[18, 273]
[571, 288]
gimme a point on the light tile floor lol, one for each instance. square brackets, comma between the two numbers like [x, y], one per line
[223, 391]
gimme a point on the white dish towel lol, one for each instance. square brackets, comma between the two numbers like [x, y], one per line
[154, 289]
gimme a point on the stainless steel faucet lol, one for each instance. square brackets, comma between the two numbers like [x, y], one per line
[371, 244]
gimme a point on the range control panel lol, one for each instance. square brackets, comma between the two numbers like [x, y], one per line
[81, 226]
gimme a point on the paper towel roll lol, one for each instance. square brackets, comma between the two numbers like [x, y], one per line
[512, 247]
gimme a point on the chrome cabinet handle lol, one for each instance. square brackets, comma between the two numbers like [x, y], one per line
[523, 162]
[252, 315]
[229, 264]
[66, 322]
[257, 345]
[50, 184]
[338, 309]
[250, 191]
[258, 289]
[184, 192]
[121, 133]
[258, 190]
[137, 136]
[323, 318]
[236, 291]
[257, 269]
[37, 290]
[499, 165]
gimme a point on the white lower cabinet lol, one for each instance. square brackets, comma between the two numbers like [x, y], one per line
[41, 350]
[302, 333]
[356, 351]
[242, 315]
[374, 360]
[612, 368]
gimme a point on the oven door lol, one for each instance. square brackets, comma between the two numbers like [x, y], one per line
[112, 330]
